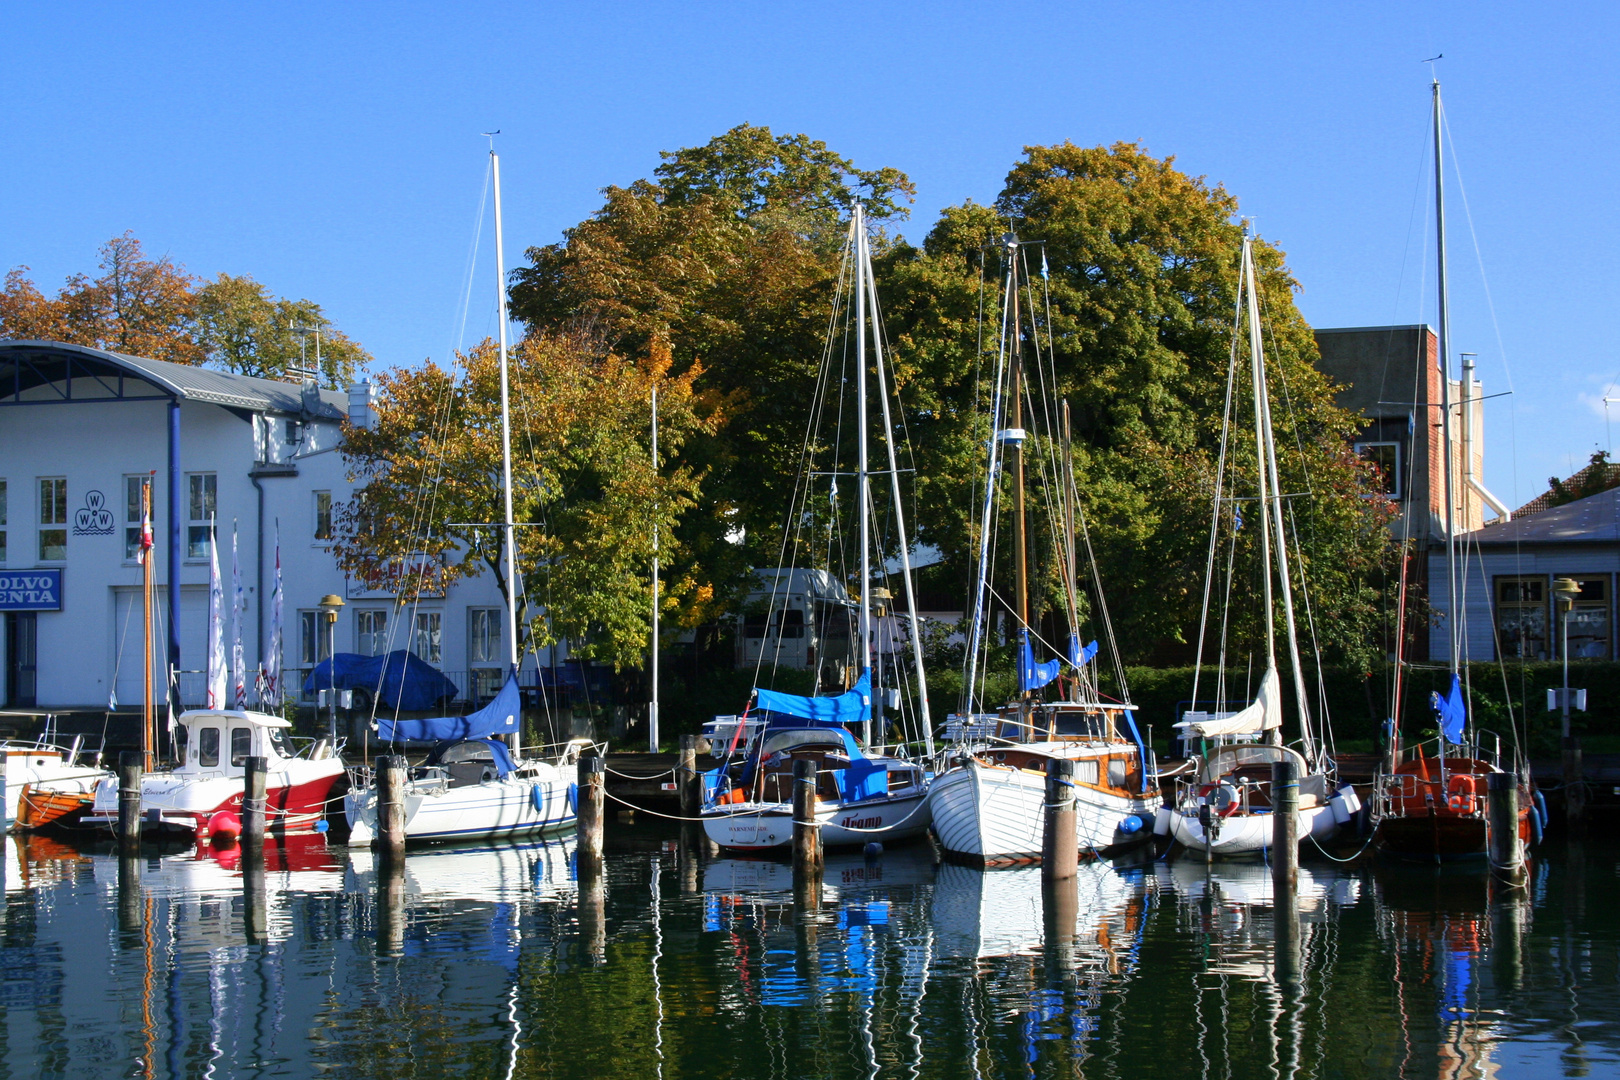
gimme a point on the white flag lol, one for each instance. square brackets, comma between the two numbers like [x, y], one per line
[217, 675]
[238, 675]
[270, 669]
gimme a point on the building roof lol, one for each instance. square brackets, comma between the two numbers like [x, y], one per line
[1592, 520]
[27, 365]
[1575, 482]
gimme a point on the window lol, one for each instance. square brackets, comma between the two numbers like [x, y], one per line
[1521, 617]
[132, 513]
[484, 635]
[1385, 458]
[202, 506]
[293, 433]
[1589, 620]
[2, 522]
[53, 515]
[208, 747]
[311, 642]
[371, 632]
[323, 515]
[241, 745]
[425, 639]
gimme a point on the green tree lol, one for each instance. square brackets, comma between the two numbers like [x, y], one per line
[241, 327]
[428, 488]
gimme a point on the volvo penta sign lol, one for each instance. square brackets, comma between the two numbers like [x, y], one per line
[31, 590]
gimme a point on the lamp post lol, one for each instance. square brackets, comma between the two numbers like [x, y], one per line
[1566, 590]
[330, 605]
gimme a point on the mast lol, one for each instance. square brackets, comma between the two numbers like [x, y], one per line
[149, 713]
[1447, 466]
[508, 532]
[652, 706]
[1268, 468]
[1257, 372]
[865, 496]
[1016, 443]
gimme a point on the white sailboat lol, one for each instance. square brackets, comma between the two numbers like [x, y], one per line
[988, 804]
[473, 784]
[864, 794]
[1226, 808]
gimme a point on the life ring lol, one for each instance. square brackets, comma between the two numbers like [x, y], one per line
[1222, 798]
[1460, 793]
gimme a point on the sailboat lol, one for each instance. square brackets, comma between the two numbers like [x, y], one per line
[1226, 808]
[988, 804]
[473, 784]
[864, 795]
[1429, 800]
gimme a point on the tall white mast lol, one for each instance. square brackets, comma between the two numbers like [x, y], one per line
[865, 514]
[652, 706]
[1453, 619]
[509, 533]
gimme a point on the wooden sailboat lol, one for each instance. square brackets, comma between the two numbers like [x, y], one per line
[1225, 809]
[987, 805]
[864, 794]
[1429, 800]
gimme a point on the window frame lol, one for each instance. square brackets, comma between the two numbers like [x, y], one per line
[365, 638]
[1393, 487]
[202, 527]
[1505, 634]
[49, 524]
[3, 526]
[485, 639]
[1587, 602]
[436, 635]
[208, 757]
[321, 539]
[132, 513]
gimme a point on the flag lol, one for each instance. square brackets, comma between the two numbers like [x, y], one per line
[1452, 711]
[238, 676]
[270, 668]
[1033, 676]
[217, 675]
[146, 522]
[1044, 275]
[1081, 657]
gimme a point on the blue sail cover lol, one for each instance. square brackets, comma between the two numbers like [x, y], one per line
[1452, 711]
[1033, 676]
[1080, 657]
[499, 717]
[850, 707]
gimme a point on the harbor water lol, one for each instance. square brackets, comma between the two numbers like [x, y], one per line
[497, 961]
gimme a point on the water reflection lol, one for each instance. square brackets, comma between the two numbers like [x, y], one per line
[502, 961]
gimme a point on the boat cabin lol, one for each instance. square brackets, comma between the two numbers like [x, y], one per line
[1247, 767]
[466, 762]
[221, 740]
[1065, 721]
[843, 773]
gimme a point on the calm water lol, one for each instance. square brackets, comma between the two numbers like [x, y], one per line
[495, 962]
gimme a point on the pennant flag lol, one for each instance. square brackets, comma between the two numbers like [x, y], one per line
[1081, 657]
[146, 522]
[1033, 676]
[1044, 275]
[1453, 712]
[238, 664]
[217, 675]
[270, 668]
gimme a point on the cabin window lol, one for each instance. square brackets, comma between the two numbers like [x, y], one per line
[53, 515]
[208, 747]
[1589, 620]
[1385, 459]
[202, 505]
[1085, 772]
[1118, 772]
[1521, 617]
[241, 745]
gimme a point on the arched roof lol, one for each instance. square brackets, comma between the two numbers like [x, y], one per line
[78, 373]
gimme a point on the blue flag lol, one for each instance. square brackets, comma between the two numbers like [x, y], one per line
[1033, 676]
[1453, 712]
[1080, 657]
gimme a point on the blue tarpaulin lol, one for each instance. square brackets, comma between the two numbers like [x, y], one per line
[499, 717]
[1453, 712]
[400, 680]
[850, 707]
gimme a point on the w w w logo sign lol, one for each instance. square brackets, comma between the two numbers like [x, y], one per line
[93, 519]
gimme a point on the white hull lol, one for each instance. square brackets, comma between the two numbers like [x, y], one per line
[978, 914]
[763, 826]
[537, 801]
[1248, 834]
[44, 768]
[997, 814]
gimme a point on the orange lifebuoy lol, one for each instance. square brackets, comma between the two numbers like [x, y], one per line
[1222, 797]
[1460, 793]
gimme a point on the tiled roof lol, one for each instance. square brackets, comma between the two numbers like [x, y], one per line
[1544, 500]
[1595, 519]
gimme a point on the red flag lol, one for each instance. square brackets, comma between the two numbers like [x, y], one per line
[146, 522]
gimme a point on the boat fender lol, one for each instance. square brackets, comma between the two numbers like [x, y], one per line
[224, 826]
[873, 849]
[322, 825]
[1345, 804]
[1222, 798]
[1161, 821]
[1134, 822]
[537, 796]
[573, 798]
[1538, 816]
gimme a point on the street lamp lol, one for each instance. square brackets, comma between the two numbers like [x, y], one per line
[330, 605]
[1566, 590]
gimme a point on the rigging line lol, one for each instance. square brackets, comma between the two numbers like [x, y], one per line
[1490, 304]
[472, 259]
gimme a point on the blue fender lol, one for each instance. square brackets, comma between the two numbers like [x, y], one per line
[537, 795]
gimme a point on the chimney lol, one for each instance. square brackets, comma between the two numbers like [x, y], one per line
[362, 405]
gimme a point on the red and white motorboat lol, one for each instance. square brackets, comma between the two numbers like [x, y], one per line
[208, 780]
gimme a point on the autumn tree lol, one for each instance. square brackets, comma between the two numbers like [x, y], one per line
[242, 327]
[428, 488]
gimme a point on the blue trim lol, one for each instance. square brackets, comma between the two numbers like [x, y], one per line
[538, 826]
[176, 510]
[1141, 748]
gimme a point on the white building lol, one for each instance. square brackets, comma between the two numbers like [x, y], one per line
[81, 430]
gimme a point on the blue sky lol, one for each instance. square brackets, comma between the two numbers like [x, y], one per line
[333, 151]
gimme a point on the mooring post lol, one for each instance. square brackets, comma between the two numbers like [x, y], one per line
[390, 901]
[1574, 784]
[1502, 808]
[256, 921]
[806, 830]
[390, 771]
[589, 811]
[129, 800]
[1060, 848]
[254, 771]
[1285, 825]
[131, 902]
[687, 781]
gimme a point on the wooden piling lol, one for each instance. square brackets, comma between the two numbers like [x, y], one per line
[390, 770]
[1574, 784]
[1060, 848]
[131, 902]
[806, 830]
[589, 811]
[390, 900]
[1502, 818]
[254, 807]
[256, 916]
[1285, 825]
[687, 782]
[129, 801]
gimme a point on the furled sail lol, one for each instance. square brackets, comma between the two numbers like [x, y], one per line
[500, 717]
[850, 707]
[1263, 715]
[1033, 676]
